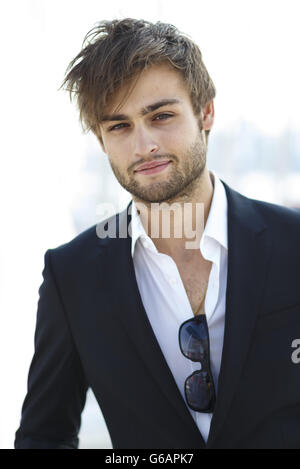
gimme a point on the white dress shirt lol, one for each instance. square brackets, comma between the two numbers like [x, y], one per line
[165, 299]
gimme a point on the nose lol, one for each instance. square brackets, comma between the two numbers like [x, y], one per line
[144, 143]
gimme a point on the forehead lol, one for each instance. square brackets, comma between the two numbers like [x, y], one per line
[156, 83]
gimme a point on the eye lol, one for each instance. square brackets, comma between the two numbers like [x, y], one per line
[163, 116]
[122, 125]
[117, 127]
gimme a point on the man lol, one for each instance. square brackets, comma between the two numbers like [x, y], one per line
[184, 345]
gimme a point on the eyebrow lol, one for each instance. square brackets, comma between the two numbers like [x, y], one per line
[146, 110]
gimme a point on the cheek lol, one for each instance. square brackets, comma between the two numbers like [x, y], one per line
[116, 149]
[121, 155]
[118, 159]
[176, 143]
[181, 136]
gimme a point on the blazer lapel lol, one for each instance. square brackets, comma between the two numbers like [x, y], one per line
[119, 281]
[249, 248]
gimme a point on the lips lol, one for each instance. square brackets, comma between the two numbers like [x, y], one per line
[151, 165]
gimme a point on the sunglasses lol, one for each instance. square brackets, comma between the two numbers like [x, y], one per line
[194, 344]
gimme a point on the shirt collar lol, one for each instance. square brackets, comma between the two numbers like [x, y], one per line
[215, 228]
[137, 229]
[216, 223]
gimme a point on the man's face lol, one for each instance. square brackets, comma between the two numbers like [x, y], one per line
[155, 143]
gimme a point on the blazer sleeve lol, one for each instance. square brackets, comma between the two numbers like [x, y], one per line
[56, 392]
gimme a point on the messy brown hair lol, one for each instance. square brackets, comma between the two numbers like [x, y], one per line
[114, 52]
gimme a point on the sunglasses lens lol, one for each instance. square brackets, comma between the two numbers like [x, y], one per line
[193, 337]
[199, 391]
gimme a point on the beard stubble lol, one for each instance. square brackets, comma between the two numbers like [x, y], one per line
[181, 182]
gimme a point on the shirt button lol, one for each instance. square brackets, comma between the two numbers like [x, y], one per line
[173, 281]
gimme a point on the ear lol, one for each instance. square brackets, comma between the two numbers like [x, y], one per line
[208, 114]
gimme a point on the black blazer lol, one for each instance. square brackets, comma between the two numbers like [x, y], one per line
[92, 331]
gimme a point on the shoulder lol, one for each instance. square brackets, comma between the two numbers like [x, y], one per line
[278, 215]
[283, 224]
[81, 241]
[272, 215]
[84, 246]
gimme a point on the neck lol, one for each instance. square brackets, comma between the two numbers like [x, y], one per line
[176, 226]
